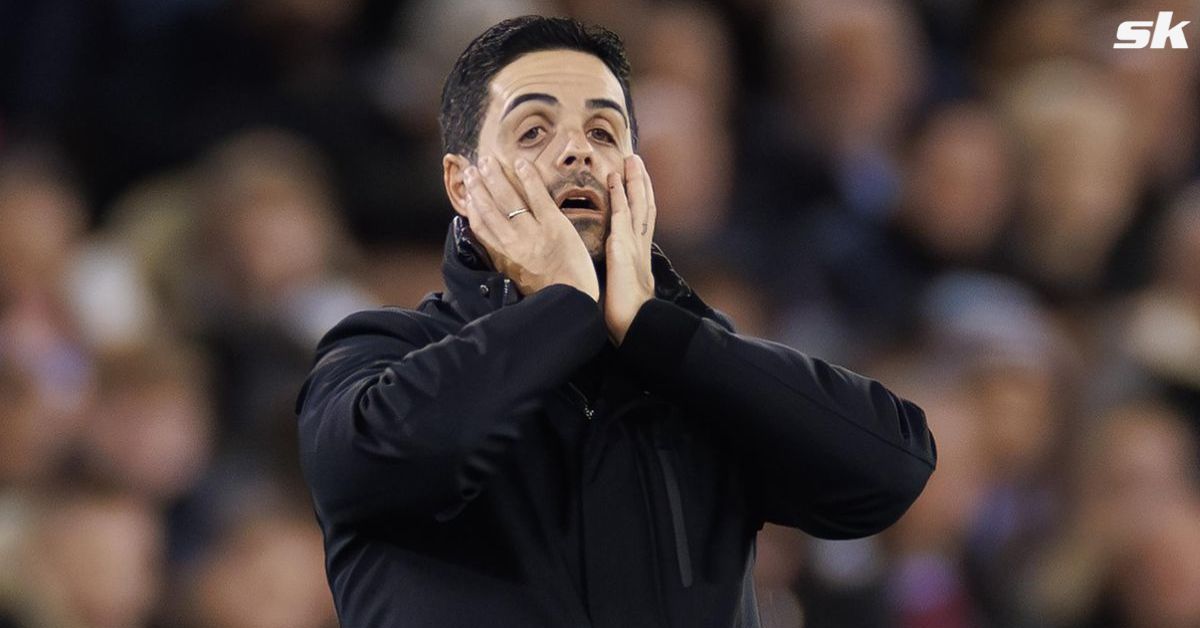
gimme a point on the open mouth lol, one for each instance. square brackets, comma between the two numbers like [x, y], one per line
[582, 199]
[578, 202]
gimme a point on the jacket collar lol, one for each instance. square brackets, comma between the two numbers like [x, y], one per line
[474, 288]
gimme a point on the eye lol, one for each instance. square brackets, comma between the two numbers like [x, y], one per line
[532, 135]
[602, 136]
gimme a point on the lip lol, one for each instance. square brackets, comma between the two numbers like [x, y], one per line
[591, 195]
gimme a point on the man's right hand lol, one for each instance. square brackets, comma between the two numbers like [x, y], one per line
[535, 249]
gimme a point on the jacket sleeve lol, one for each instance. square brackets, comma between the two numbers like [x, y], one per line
[392, 424]
[833, 453]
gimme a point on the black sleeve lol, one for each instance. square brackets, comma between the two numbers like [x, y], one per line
[393, 424]
[833, 453]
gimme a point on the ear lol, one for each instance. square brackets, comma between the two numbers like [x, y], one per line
[453, 167]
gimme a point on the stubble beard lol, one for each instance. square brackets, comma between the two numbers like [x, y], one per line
[594, 233]
[593, 230]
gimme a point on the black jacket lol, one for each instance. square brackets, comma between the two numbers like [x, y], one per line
[492, 460]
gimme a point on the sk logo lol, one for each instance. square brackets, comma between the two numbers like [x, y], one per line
[1155, 34]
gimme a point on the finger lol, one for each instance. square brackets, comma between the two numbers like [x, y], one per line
[478, 226]
[503, 193]
[535, 191]
[636, 184]
[651, 217]
[620, 225]
[485, 208]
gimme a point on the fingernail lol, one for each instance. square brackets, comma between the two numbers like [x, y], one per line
[485, 165]
[522, 165]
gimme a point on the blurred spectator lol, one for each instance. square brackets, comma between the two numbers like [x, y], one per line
[273, 236]
[1162, 89]
[151, 231]
[1139, 463]
[1164, 329]
[953, 213]
[149, 433]
[270, 283]
[1081, 182]
[405, 274]
[851, 74]
[777, 567]
[32, 442]
[42, 218]
[627, 18]
[1022, 34]
[819, 168]
[430, 34]
[959, 186]
[268, 572]
[95, 561]
[1158, 572]
[1008, 353]
[682, 110]
[726, 288]
[406, 87]
[926, 584]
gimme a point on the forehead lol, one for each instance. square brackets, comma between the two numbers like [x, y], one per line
[569, 75]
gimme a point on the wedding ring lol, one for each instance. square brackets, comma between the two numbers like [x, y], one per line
[516, 212]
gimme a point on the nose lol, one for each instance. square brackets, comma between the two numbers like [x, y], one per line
[576, 154]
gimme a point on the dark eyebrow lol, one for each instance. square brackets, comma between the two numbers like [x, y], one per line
[598, 103]
[546, 98]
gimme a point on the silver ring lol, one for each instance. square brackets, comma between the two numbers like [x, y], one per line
[516, 212]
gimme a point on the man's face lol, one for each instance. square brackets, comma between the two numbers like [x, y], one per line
[563, 111]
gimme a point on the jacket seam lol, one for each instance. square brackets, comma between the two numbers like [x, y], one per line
[788, 385]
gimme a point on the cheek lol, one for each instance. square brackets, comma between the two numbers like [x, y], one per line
[504, 151]
[498, 144]
[608, 161]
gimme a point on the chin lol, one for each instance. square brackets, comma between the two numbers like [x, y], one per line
[597, 253]
[593, 233]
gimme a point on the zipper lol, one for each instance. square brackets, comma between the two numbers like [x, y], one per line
[588, 412]
[508, 297]
[683, 551]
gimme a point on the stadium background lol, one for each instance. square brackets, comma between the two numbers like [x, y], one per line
[980, 203]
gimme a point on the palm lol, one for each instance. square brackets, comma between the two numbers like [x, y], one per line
[630, 282]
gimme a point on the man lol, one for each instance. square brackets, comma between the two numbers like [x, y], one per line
[568, 435]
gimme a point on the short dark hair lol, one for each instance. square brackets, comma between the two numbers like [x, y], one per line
[464, 95]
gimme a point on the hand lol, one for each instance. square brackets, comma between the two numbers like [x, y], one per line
[629, 283]
[535, 249]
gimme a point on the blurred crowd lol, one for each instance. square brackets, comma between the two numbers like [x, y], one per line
[978, 202]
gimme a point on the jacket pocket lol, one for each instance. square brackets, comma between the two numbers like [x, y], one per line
[678, 524]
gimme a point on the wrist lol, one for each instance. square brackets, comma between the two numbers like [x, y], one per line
[619, 322]
[590, 288]
[592, 291]
[658, 337]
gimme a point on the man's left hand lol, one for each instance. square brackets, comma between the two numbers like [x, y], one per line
[627, 254]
